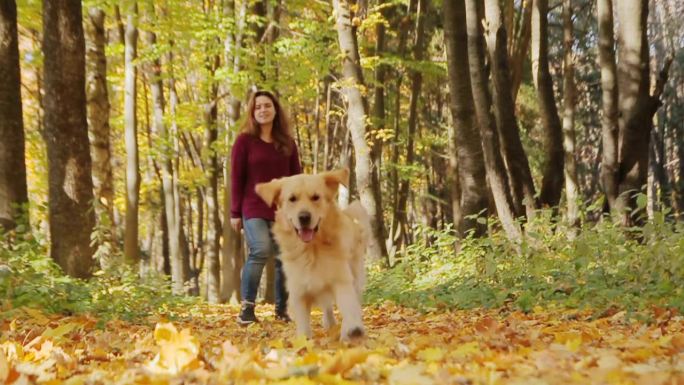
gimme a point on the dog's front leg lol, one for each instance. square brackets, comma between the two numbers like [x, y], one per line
[300, 310]
[328, 317]
[326, 301]
[350, 307]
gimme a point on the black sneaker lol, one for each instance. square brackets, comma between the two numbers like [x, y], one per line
[281, 315]
[247, 316]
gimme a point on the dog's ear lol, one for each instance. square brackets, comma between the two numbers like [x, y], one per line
[334, 178]
[270, 191]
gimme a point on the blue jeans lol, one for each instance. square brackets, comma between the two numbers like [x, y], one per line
[261, 246]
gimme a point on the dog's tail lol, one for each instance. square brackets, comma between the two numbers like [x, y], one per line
[359, 214]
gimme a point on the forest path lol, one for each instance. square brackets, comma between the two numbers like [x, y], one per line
[203, 344]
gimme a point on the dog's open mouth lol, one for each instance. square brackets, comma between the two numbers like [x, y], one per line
[307, 234]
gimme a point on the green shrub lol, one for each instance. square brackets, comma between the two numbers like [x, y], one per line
[602, 266]
[28, 277]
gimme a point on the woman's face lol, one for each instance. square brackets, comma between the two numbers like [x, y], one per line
[264, 111]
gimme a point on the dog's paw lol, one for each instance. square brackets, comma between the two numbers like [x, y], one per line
[303, 331]
[357, 332]
[354, 333]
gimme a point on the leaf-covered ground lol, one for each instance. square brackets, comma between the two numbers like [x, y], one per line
[204, 345]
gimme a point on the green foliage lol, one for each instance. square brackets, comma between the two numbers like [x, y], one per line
[531, 130]
[604, 266]
[28, 277]
[30, 14]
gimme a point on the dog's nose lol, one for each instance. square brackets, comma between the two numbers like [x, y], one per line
[304, 218]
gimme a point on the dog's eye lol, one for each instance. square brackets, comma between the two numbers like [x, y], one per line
[293, 198]
[315, 197]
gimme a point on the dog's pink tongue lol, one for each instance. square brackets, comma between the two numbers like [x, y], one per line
[306, 234]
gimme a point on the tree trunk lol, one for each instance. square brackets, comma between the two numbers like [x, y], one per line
[356, 120]
[257, 25]
[379, 125]
[131, 250]
[13, 190]
[185, 231]
[552, 179]
[98, 124]
[165, 149]
[196, 259]
[98, 109]
[634, 122]
[471, 165]
[496, 170]
[213, 212]
[153, 196]
[315, 159]
[120, 28]
[517, 166]
[655, 188]
[164, 226]
[329, 129]
[397, 235]
[569, 100]
[173, 157]
[232, 253]
[678, 199]
[519, 48]
[661, 189]
[416, 84]
[66, 132]
[270, 33]
[452, 177]
[609, 89]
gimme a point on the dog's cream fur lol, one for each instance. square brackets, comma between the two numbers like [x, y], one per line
[328, 266]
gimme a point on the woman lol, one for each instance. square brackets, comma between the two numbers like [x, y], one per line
[263, 151]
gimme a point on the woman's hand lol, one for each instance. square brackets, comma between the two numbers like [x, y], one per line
[236, 224]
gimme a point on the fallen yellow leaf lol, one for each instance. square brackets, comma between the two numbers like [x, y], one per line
[330, 379]
[301, 342]
[409, 375]
[4, 368]
[277, 344]
[60, 330]
[308, 359]
[178, 350]
[345, 360]
[431, 354]
[465, 350]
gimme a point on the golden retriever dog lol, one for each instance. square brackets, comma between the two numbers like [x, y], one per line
[322, 248]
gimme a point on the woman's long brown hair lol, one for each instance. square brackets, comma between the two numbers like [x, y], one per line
[282, 138]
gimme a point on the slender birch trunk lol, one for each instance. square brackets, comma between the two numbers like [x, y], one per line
[569, 100]
[131, 249]
[98, 120]
[517, 165]
[496, 170]
[356, 119]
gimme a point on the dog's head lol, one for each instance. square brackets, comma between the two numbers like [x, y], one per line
[304, 200]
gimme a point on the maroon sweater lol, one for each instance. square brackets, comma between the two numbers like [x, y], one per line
[255, 161]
